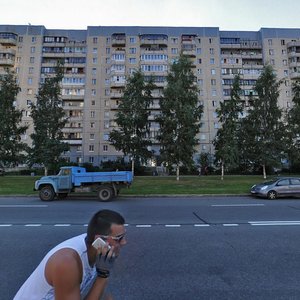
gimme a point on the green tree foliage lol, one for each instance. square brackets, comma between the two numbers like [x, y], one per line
[293, 127]
[226, 140]
[11, 147]
[262, 134]
[49, 119]
[132, 136]
[180, 116]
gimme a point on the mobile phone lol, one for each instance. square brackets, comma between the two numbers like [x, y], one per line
[99, 243]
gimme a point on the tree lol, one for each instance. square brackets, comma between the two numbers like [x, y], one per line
[11, 147]
[293, 127]
[132, 136]
[226, 140]
[180, 116]
[263, 129]
[48, 119]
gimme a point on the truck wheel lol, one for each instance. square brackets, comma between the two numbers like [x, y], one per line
[105, 193]
[47, 193]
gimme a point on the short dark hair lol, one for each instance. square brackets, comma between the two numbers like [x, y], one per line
[101, 223]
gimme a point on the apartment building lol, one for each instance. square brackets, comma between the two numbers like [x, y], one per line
[98, 60]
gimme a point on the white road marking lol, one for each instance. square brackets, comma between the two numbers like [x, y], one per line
[143, 226]
[62, 225]
[172, 225]
[23, 206]
[236, 205]
[33, 225]
[201, 225]
[6, 225]
[272, 223]
[230, 225]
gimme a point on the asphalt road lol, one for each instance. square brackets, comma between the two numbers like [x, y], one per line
[178, 248]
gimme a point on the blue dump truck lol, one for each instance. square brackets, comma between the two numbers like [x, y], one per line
[76, 179]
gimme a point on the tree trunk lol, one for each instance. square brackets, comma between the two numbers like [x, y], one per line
[222, 170]
[177, 173]
[264, 171]
[132, 166]
[46, 171]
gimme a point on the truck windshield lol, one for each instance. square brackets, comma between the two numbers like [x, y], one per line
[64, 172]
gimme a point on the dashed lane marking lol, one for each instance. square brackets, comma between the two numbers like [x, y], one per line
[251, 223]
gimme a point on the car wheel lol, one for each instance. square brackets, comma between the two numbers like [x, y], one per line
[105, 193]
[272, 195]
[47, 193]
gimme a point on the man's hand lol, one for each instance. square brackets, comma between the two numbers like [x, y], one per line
[105, 262]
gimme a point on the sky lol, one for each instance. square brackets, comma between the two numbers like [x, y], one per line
[244, 15]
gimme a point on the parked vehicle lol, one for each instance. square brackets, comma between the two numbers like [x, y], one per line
[76, 179]
[278, 187]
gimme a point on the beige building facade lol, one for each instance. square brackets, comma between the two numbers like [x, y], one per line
[98, 60]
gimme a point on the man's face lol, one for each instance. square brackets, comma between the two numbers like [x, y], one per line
[117, 237]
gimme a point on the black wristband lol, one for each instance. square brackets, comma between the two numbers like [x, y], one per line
[102, 273]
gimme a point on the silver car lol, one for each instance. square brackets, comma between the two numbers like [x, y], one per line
[278, 187]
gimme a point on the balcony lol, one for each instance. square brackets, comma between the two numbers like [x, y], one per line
[118, 42]
[295, 75]
[116, 95]
[117, 84]
[8, 62]
[8, 39]
[154, 39]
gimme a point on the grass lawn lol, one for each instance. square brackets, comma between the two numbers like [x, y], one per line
[152, 185]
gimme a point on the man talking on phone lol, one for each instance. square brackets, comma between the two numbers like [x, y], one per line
[78, 268]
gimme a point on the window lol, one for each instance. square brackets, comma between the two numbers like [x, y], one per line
[92, 124]
[105, 148]
[92, 114]
[214, 103]
[212, 61]
[95, 60]
[94, 71]
[29, 81]
[199, 71]
[31, 60]
[174, 40]
[93, 92]
[92, 136]
[272, 62]
[283, 51]
[286, 72]
[91, 159]
[107, 40]
[106, 136]
[95, 50]
[29, 91]
[284, 62]
[211, 51]
[95, 40]
[28, 102]
[174, 50]
[91, 148]
[200, 81]
[30, 70]
[213, 81]
[271, 51]
[198, 50]
[20, 39]
[213, 72]
[282, 42]
[32, 49]
[132, 60]
[33, 39]
[132, 40]
[270, 42]
[132, 50]
[199, 60]
[107, 50]
[210, 40]
[94, 81]
[106, 124]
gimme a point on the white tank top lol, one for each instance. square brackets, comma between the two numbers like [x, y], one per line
[37, 288]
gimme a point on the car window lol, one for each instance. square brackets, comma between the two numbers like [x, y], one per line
[295, 181]
[283, 182]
